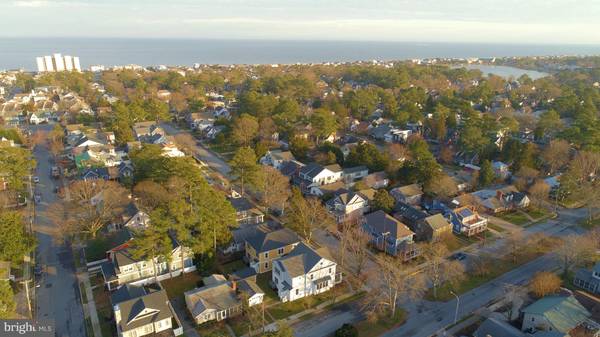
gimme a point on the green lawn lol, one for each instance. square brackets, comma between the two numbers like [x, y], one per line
[373, 329]
[283, 310]
[213, 329]
[590, 225]
[496, 228]
[537, 213]
[262, 280]
[239, 324]
[472, 281]
[230, 267]
[176, 286]
[515, 218]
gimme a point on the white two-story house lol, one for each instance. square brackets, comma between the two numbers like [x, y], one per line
[304, 272]
[314, 175]
[348, 205]
[122, 268]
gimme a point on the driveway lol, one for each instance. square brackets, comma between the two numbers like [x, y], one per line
[57, 297]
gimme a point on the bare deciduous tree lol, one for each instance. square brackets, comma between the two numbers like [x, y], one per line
[395, 283]
[306, 215]
[539, 191]
[544, 283]
[274, 188]
[186, 141]
[94, 203]
[556, 154]
[358, 247]
[438, 269]
[575, 250]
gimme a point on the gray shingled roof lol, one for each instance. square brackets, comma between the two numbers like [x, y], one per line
[149, 308]
[382, 222]
[267, 239]
[301, 260]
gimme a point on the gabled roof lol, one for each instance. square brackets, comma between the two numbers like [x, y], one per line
[563, 312]
[437, 221]
[382, 222]
[215, 296]
[267, 239]
[282, 155]
[409, 190]
[301, 260]
[142, 308]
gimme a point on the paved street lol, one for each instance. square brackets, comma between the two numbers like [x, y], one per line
[57, 298]
[204, 154]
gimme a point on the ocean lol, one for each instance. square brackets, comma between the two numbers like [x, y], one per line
[18, 53]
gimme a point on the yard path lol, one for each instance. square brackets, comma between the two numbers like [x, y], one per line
[189, 327]
[91, 305]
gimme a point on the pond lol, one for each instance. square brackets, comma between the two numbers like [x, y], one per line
[505, 71]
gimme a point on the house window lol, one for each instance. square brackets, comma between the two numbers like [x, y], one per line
[329, 270]
[311, 276]
[276, 280]
[297, 291]
[266, 265]
[266, 254]
[280, 251]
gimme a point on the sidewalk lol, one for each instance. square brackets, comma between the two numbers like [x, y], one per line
[89, 308]
[298, 317]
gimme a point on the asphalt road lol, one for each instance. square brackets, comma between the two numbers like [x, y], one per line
[201, 152]
[57, 297]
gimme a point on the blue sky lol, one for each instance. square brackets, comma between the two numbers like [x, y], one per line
[499, 21]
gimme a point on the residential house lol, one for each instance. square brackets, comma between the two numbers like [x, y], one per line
[328, 189]
[560, 314]
[141, 311]
[410, 194]
[589, 279]
[395, 135]
[433, 228]
[38, 118]
[132, 218]
[501, 200]
[500, 169]
[216, 300]
[314, 174]
[219, 298]
[390, 235]
[347, 205]
[376, 180]
[304, 272]
[277, 158]
[352, 174]
[465, 220]
[267, 244]
[245, 212]
[122, 268]
[409, 214]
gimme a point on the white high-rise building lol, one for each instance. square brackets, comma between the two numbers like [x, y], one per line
[40, 64]
[68, 63]
[57, 62]
[48, 62]
[76, 65]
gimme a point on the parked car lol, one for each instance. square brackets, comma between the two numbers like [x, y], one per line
[459, 256]
[37, 198]
[36, 179]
